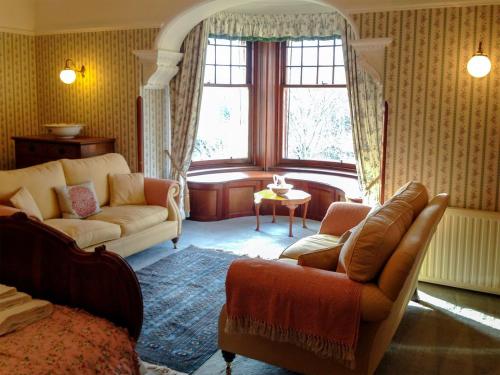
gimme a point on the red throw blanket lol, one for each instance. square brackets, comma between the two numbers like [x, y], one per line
[314, 309]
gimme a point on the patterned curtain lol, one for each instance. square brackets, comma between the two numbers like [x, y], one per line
[367, 104]
[276, 27]
[185, 101]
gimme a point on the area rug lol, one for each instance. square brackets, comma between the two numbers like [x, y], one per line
[183, 294]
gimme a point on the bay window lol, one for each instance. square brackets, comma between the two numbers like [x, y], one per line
[275, 105]
[315, 115]
[223, 129]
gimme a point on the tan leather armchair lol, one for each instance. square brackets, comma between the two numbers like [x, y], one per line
[383, 299]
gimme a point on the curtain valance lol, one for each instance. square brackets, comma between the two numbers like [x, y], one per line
[277, 27]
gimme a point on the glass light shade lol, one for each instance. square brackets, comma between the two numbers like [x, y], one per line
[68, 76]
[479, 66]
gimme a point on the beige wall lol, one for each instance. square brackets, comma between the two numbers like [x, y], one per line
[18, 97]
[444, 126]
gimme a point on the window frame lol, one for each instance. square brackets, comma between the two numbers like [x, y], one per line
[221, 163]
[281, 126]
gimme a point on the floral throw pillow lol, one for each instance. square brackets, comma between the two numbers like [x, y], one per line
[78, 201]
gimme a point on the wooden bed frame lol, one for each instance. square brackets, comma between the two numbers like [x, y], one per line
[47, 264]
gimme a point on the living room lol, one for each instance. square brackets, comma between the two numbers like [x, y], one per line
[209, 139]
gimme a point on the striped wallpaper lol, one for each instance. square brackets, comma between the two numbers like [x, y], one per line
[18, 98]
[444, 125]
[105, 99]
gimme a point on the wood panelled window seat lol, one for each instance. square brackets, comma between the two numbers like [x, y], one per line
[225, 195]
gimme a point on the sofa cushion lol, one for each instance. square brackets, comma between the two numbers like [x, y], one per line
[372, 242]
[40, 180]
[324, 259]
[126, 189]
[415, 194]
[25, 202]
[86, 232]
[95, 169]
[309, 244]
[132, 219]
[78, 201]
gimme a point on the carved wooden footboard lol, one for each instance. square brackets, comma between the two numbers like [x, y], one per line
[47, 264]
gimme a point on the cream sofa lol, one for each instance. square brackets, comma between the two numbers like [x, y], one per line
[123, 229]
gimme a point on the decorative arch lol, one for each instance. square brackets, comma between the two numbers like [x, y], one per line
[159, 66]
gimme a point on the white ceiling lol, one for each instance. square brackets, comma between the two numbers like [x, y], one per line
[53, 16]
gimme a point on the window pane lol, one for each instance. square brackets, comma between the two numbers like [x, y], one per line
[325, 75]
[318, 124]
[225, 42]
[223, 127]
[339, 56]
[339, 76]
[238, 42]
[326, 56]
[310, 56]
[328, 42]
[223, 75]
[238, 75]
[209, 74]
[294, 43]
[309, 76]
[293, 57]
[293, 76]
[223, 55]
[210, 55]
[310, 42]
[239, 56]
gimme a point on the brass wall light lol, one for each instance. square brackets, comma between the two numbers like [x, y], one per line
[479, 65]
[68, 74]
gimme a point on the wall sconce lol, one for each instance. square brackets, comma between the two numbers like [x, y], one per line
[68, 74]
[479, 65]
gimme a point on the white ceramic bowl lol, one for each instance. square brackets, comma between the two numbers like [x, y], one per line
[64, 130]
[280, 189]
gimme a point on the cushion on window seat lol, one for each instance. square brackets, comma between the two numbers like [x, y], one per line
[132, 218]
[85, 232]
[309, 244]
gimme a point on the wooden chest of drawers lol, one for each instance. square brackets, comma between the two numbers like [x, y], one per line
[31, 150]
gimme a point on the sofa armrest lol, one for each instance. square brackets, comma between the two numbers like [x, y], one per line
[8, 211]
[342, 216]
[165, 193]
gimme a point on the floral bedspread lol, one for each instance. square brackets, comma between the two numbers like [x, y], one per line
[70, 341]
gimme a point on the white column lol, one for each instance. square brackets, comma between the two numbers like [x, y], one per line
[371, 54]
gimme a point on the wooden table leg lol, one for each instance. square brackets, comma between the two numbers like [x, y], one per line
[274, 212]
[291, 209]
[257, 211]
[304, 216]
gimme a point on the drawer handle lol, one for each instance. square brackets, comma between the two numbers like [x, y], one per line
[31, 148]
[62, 151]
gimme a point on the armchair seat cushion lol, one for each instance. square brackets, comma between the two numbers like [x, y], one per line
[132, 219]
[86, 232]
[310, 244]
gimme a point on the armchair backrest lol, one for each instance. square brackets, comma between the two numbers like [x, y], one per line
[406, 260]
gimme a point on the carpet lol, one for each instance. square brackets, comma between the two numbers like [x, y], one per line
[183, 294]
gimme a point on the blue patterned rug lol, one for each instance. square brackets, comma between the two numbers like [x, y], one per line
[183, 294]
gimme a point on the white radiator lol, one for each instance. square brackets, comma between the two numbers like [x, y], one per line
[465, 251]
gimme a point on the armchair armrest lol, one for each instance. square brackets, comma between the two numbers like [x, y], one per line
[342, 216]
[165, 193]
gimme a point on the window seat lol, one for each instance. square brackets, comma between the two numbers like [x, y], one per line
[225, 195]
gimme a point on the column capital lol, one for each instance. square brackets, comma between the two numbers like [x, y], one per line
[158, 67]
